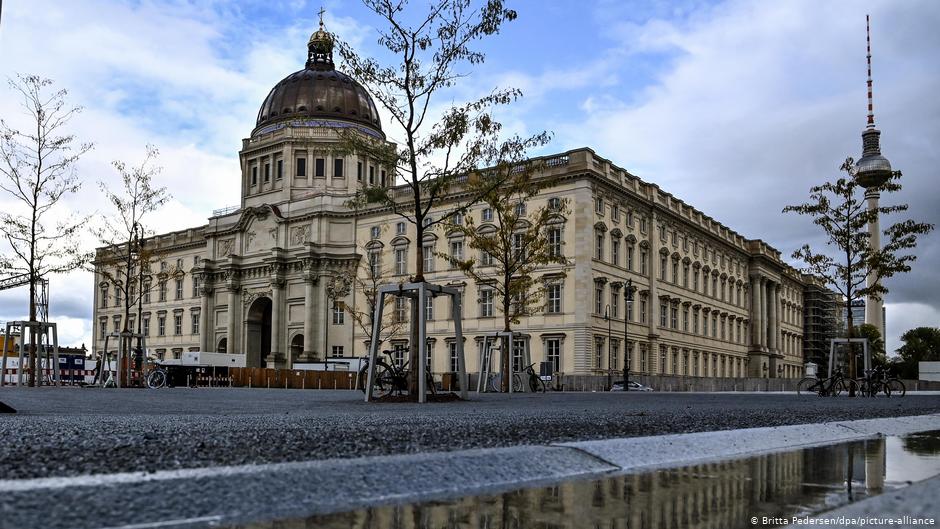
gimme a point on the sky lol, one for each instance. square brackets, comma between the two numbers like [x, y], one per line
[736, 107]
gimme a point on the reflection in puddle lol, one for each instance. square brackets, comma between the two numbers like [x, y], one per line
[724, 494]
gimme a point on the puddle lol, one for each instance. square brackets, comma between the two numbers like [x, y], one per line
[723, 494]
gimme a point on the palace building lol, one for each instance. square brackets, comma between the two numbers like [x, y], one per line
[273, 278]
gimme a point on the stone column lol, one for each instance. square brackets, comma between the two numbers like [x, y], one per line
[277, 302]
[234, 317]
[651, 269]
[755, 310]
[206, 327]
[772, 327]
[763, 312]
[323, 314]
[309, 293]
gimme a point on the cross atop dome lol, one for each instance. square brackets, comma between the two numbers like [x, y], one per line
[320, 48]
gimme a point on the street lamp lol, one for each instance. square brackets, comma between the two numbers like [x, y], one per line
[627, 309]
[607, 319]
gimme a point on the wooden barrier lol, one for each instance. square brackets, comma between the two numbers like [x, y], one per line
[258, 377]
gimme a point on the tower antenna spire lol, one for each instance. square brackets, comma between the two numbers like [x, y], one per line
[871, 106]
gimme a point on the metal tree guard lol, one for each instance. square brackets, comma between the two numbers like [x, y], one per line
[420, 292]
[42, 329]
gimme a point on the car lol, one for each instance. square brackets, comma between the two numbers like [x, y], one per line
[634, 386]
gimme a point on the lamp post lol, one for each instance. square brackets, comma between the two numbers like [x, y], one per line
[609, 374]
[627, 349]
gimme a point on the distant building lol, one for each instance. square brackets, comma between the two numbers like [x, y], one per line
[822, 321]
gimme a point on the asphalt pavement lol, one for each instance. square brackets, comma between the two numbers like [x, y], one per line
[79, 431]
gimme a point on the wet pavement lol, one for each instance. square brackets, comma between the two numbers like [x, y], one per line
[75, 432]
[759, 491]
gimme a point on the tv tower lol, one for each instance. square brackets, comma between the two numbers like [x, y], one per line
[871, 171]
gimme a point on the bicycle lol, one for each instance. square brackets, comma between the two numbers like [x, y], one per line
[158, 378]
[391, 377]
[824, 387]
[894, 383]
[871, 385]
[535, 382]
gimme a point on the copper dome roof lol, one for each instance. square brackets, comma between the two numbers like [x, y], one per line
[319, 92]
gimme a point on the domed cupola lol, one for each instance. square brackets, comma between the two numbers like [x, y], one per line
[319, 96]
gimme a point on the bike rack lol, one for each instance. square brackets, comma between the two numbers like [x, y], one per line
[486, 359]
[832, 351]
[42, 330]
[124, 340]
[419, 292]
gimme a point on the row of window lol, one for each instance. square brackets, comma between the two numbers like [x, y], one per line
[265, 170]
[672, 360]
[147, 295]
[177, 324]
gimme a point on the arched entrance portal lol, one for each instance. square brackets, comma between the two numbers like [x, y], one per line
[296, 347]
[259, 332]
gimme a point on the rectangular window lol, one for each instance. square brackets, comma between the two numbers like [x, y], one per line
[663, 315]
[553, 295]
[146, 327]
[254, 175]
[401, 309]
[644, 357]
[695, 280]
[382, 179]
[553, 353]
[161, 325]
[675, 317]
[371, 175]
[456, 250]
[267, 172]
[643, 260]
[685, 275]
[598, 353]
[179, 289]
[487, 214]
[338, 168]
[301, 166]
[675, 272]
[614, 302]
[337, 351]
[685, 319]
[400, 228]
[359, 171]
[642, 311]
[599, 246]
[663, 263]
[104, 297]
[486, 258]
[518, 246]
[486, 303]
[452, 352]
[714, 325]
[429, 308]
[103, 328]
[599, 206]
[554, 242]
[162, 290]
[695, 322]
[518, 353]
[195, 323]
[630, 257]
[177, 324]
[615, 251]
[615, 213]
[319, 167]
[614, 354]
[195, 286]
[598, 298]
[401, 265]
[339, 315]
[428, 255]
[279, 173]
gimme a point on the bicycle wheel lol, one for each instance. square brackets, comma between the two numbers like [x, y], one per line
[848, 386]
[363, 376]
[494, 383]
[808, 387]
[156, 379]
[383, 382]
[516, 382]
[896, 387]
[536, 384]
[881, 389]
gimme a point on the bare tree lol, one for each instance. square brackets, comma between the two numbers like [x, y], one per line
[431, 53]
[38, 170]
[841, 212]
[126, 259]
[367, 283]
[513, 246]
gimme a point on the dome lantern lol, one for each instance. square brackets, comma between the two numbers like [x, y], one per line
[320, 48]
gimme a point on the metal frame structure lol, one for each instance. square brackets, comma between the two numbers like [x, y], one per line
[122, 353]
[419, 292]
[42, 330]
[486, 358]
[832, 351]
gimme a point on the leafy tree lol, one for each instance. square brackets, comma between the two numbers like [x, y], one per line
[839, 208]
[439, 147]
[512, 247]
[126, 258]
[876, 345]
[37, 169]
[921, 344]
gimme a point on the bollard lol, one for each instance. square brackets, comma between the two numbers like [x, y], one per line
[303, 382]
[269, 382]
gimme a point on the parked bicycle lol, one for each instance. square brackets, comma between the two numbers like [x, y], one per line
[159, 377]
[894, 383]
[390, 377]
[823, 387]
[873, 384]
[526, 376]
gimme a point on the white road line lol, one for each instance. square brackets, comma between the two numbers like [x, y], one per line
[168, 523]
